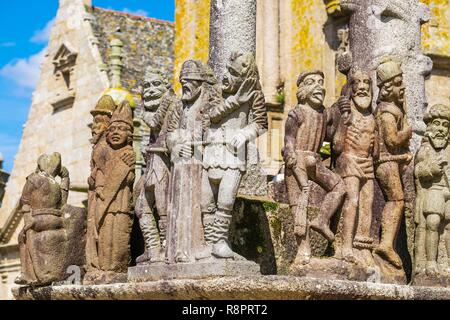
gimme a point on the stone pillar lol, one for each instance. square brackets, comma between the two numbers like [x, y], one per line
[381, 29]
[232, 28]
[268, 55]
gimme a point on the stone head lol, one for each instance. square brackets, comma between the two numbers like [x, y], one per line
[154, 86]
[239, 67]
[360, 89]
[437, 120]
[120, 131]
[50, 164]
[390, 82]
[193, 74]
[102, 117]
[311, 88]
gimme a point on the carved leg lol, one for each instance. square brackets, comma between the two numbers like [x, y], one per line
[149, 228]
[331, 203]
[105, 243]
[388, 175]
[227, 195]
[303, 256]
[390, 224]
[352, 186]
[432, 242]
[363, 239]
[447, 244]
[210, 191]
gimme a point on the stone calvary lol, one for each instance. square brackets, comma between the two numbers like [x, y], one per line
[349, 204]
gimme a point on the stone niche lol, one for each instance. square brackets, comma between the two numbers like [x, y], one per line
[64, 63]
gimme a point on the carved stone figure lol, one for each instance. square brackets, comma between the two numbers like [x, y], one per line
[102, 117]
[159, 102]
[395, 134]
[239, 119]
[113, 205]
[53, 236]
[306, 128]
[432, 215]
[355, 145]
[185, 142]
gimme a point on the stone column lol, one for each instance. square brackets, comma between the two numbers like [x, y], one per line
[232, 28]
[269, 48]
[392, 28]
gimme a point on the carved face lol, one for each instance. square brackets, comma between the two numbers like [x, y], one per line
[191, 89]
[438, 132]
[154, 88]
[119, 134]
[393, 91]
[232, 79]
[361, 90]
[312, 91]
[99, 126]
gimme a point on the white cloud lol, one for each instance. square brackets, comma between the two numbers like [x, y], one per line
[24, 72]
[43, 35]
[138, 12]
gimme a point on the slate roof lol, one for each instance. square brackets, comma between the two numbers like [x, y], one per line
[147, 42]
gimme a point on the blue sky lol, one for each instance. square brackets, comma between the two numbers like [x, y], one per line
[24, 30]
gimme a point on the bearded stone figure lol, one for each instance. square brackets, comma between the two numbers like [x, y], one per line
[395, 135]
[238, 120]
[113, 206]
[154, 187]
[355, 147]
[187, 126]
[432, 214]
[53, 236]
[101, 119]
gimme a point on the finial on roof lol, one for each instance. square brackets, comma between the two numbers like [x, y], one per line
[116, 61]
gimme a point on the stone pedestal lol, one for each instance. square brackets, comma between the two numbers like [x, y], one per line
[198, 270]
[237, 288]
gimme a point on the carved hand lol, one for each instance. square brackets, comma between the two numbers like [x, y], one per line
[64, 172]
[183, 150]
[246, 91]
[344, 105]
[99, 193]
[238, 141]
[129, 159]
[291, 161]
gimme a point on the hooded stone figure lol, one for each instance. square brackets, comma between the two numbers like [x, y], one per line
[53, 236]
[432, 214]
[113, 211]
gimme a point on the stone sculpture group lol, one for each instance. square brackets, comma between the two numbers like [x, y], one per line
[195, 162]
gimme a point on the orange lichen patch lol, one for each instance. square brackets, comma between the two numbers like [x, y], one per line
[308, 44]
[436, 33]
[191, 33]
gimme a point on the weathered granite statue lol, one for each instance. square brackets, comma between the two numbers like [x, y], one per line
[395, 134]
[159, 101]
[113, 204]
[432, 214]
[185, 142]
[102, 117]
[239, 119]
[306, 128]
[53, 236]
[355, 146]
